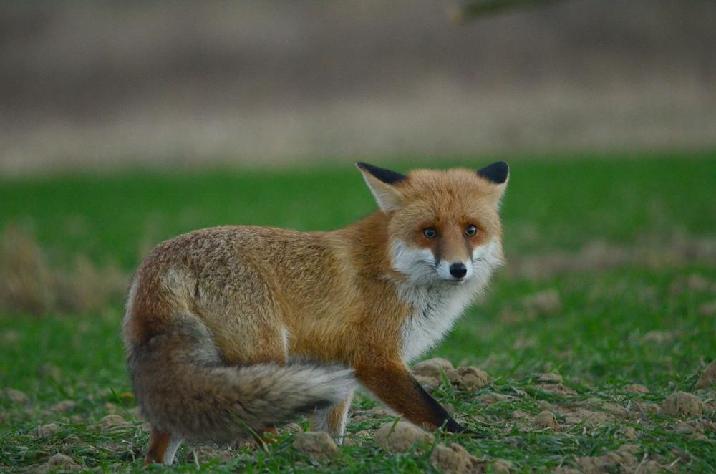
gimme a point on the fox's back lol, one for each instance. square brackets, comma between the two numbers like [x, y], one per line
[220, 272]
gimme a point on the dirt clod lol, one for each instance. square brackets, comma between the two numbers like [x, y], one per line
[493, 397]
[16, 396]
[683, 427]
[658, 337]
[708, 376]
[629, 433]
[113, 422]
[546, 419]
[62, 461]
[621, 460]
[501, 466]
[50, 371]
[565, 470]
[707, 309]
[470, 378]
[549, 378]
[649, 467]
[428, 383]
[682, 404]
[641, 408]
[692, 283]
[63, 406]
[433, 367]
[45, 431]
[556, 388]
[636, 388]
[584, 416]
[544, 303]
[615, 409]
[399, 437]
[318, 445]
[454, 459]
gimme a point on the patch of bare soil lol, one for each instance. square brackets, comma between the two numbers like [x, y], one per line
[543, 303]
[624, 459]
[693, 283]
[600, 256]
[47, 431]
[696, 429]
[552, 383]
[454, 459]
[546, 419]
[430, 371]
[29, 284]
[318, 445]
[113, 423]
[581, 415]
[64, 406]
[636, 388]
[16, 396]
[401, 436]
[500, 466]
[682, 404]
[707, 377]
[549, 378]
[658, 337]
[59, 462]
[707, 309]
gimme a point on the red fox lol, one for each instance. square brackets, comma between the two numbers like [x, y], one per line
[234, 330]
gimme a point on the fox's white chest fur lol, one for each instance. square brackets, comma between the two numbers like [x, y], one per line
[438, 304]
[434, 312]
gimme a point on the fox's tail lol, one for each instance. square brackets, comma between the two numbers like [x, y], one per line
[184, 388]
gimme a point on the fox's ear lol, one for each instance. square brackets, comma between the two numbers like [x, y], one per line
[381, 183]
[497, 173]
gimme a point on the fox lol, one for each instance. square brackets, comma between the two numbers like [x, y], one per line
[232, 331]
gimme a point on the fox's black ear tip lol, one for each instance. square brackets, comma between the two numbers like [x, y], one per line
[382, 174]
[497, 172]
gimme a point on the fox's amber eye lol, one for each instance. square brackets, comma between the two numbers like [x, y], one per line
[470, 231]
[430, 232]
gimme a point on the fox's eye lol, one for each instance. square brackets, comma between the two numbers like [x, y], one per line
[470, 230]
[430, 232]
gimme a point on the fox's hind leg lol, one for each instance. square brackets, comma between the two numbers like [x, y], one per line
[333, 419]
[162, 447]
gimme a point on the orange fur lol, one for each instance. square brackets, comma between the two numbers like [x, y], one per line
[158, 444]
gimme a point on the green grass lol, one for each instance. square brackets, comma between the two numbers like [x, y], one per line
[596, 341]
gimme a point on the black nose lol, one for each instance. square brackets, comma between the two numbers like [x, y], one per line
[458, 270]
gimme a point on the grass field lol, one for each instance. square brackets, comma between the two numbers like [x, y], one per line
[647, 317]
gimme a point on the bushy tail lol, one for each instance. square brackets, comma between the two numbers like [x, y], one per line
[184, 388]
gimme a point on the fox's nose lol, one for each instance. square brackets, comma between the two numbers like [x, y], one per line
[458, 270]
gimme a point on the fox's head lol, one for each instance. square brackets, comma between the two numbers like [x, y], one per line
[444, 226]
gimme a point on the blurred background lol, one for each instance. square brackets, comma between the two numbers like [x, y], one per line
[87, 85]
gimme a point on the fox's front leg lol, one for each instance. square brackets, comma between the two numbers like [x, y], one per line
[395, 386]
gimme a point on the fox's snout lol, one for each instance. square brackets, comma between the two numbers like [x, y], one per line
[454, 270]
[458, 270]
